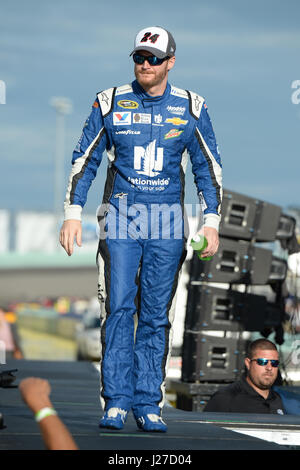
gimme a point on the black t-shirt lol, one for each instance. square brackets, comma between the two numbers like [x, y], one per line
[240, 397]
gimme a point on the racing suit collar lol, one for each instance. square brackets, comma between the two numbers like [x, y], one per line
[147, 99]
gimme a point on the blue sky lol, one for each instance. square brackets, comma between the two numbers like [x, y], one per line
[241, 56]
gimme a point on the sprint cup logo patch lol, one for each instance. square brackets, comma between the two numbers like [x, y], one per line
[128, 104]
[173, 133]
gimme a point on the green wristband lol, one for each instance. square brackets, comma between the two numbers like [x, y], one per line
[43, 413]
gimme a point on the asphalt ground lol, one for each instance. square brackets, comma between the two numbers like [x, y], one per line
[75, 396]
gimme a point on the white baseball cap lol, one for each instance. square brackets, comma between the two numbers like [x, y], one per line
[156, 40]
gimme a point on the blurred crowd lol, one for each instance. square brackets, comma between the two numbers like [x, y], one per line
[59, 305]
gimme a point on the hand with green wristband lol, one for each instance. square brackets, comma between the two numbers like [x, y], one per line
[36, 394]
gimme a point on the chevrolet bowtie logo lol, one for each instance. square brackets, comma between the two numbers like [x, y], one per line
[176, 121]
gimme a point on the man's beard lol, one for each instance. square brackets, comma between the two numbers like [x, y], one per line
[263, 385]
[150, 79]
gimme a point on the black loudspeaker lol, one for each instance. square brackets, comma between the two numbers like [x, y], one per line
[246, 218]
[239, 262]
[210, 308]
[208, 358]
[194, 396]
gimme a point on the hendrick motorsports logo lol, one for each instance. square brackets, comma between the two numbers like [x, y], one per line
[179, 110]
[2, 92]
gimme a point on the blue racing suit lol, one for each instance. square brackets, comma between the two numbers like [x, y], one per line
[140, 250]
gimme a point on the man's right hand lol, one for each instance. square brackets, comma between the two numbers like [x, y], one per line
[70, 229]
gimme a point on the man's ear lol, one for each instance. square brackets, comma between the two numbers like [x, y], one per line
[247, 363]
[171, 62]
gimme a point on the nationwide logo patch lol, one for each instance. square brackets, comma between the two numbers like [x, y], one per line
[122, 118]
[128, 104]
[173, 133]
[176, 121]
[149, 161]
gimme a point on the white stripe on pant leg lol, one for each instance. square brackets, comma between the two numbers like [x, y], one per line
[103, 313]
[171, 320]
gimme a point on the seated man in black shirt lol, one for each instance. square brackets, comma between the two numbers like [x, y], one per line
[253, 392]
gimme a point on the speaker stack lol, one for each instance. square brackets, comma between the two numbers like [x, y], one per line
[217, 317]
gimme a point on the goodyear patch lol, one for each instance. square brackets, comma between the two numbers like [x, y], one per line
[176, 121]
[96, 104]
[173, 133]
[128, 104]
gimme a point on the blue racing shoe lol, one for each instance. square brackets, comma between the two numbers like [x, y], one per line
[151, 422]
[114, 418]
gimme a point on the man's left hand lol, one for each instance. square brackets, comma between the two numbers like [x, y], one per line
[212, 237]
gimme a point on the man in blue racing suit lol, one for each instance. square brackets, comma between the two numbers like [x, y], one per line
[146, 128]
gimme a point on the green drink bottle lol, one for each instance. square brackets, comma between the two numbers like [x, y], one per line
[199, 243]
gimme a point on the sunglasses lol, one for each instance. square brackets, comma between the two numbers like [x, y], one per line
[263, 362]
[151, 59]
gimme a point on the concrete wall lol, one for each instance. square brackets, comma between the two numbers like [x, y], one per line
[29, 284]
